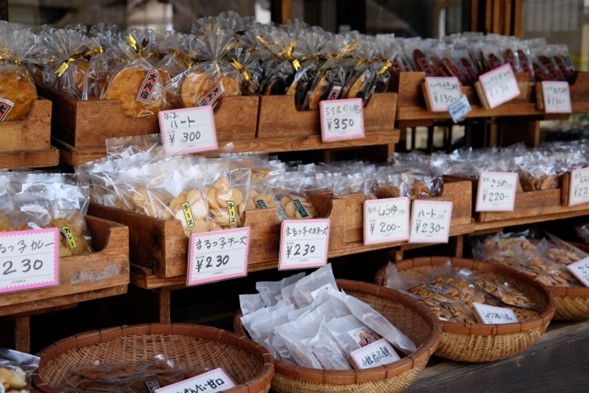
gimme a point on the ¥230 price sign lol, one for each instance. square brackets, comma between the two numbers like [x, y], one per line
[430, 221]
[341, 119]
[188, 130]
[303, 243]
[496, 191]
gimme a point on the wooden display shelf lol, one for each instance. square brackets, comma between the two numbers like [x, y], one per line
[580, 93]
[29, 159]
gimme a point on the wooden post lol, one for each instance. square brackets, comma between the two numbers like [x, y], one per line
[281, 10]
[4, 10]
[22, 334]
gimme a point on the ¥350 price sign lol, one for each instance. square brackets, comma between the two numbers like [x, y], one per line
[188, 130]
[29, 259]
[579, 187]
[496, 191]
[218, 255]
[303, 243]
[386, 220]
[341, 119]
[430, 221]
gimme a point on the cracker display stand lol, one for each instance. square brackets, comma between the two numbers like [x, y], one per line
[27, 143]
[187, 346]
[412, 318]
[479, 342]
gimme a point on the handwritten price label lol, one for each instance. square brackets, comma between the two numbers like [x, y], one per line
[579, 188]
[499, 86]
[496, 191]
[557, 97]
[341, 119]
[303, 243]
[188, 130]
[386, 220]
[216, 380]
[430, 221]
[375, 354]
[218, 255]
[491, 315]
[29, 259]
[580, 269]
[441, 92]
[459, 109]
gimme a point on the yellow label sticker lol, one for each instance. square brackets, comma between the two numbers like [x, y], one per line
[188, 216]
[232, 210]
[66, 231]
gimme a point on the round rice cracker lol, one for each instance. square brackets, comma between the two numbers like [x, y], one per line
[18, 87]
[195, 85]
[125, 86]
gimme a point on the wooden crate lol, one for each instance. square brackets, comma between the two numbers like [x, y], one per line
[280, 118]
[580, 93]
[83, 277]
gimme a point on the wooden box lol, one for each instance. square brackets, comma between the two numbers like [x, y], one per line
[104, 272]
[280, 118]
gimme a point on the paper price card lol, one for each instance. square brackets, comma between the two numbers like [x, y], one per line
[303, 243]
[496, 191]
[188, 130]
[556, 96]
[216, 380]
[341, 119]
[29, 259]
[579, 188]
[218, 255]
[580, 269]
[440, 92]
[386, 220]
[491, 315]
[378, 353]
[430, 221]
[499, 86]
[459, 109]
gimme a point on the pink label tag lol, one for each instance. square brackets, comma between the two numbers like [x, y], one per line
[579, 188]
[304, 243]
[557, 97]
[5, 106]
[218, 255]
[386, 220]
[499, 85]
[216, 380]
[442, 92]
[496, 191]
[188, 130]
[378, 353]
[29, 259]
[341, 119]
[430, 221]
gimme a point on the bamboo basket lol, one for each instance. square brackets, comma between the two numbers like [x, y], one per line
[412, 318]
[572, 304]
[479, 342]
[190, 346]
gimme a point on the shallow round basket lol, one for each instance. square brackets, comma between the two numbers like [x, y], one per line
[572, 303]
[412, 318]
[479, 342]
[187, 345]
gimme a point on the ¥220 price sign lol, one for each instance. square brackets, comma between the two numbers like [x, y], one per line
[430, 221]
[303, 243]
[188, 130]
[496, 191]
[341, 119]
[579, 187]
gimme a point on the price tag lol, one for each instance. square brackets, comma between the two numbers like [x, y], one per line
[499, 86]
[459, 109]
[580, 269]
[430, 221]
[378, 353]
[496, 191]
[386, 220]
[491, 315]
[441, 92]
[303, 243]
[557, 97]
[341, 119]
[188, 130]
[218, 255]
[579, 188]
[29, 259]
[216, 380]
[5, 106]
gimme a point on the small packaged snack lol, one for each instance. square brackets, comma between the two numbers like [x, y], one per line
[16, 370]
[226, 194]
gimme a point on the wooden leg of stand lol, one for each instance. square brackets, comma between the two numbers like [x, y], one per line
[398, 255]
[22, 334]
[164, 296]
[458, 246]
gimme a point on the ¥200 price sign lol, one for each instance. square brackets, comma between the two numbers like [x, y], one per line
[386, 220]
[188, 130]
[499, 86]
[496, 191]
[430, 221]
[579, 187]
[341, 119]
[218, 255]
[303, 243]
[29, 259]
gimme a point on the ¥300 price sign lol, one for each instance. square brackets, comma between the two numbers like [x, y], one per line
[386, 220]
[29, 259]
[188, 130]
[341, 119]
[303, 243]
[496, 191]
[430, 221]
[218, 255]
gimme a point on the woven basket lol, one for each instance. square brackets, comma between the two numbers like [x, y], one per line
[572, 303]
[188, 346]
[479, 342]
[412, 318]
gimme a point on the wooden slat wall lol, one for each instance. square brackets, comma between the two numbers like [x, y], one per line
[500, 16]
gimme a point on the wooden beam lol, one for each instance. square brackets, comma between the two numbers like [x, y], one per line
[4, 9]
[281, 10]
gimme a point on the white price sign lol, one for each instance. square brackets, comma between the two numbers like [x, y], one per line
[580, 269]
[430, 221]
[303, 243]
[493, 315]
[29, 259]
[218, 255]
[441, 92]
[188, 130]
[341, 119]
[496, 191]
[459, 109]
[216, 380]
[579, 187]
[556, 96]
[378, 353]
[386, 220]
[499, 86]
